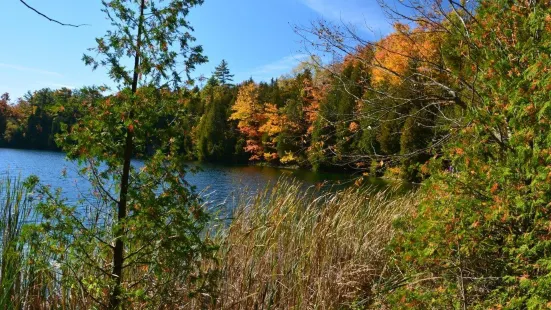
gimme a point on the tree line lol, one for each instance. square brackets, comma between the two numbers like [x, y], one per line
[346, 115]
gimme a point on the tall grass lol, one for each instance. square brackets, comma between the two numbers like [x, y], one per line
[288, 248]
[15, 212]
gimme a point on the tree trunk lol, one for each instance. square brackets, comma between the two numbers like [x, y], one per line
[118, 252]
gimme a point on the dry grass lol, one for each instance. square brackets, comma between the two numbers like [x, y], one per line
[287, 248]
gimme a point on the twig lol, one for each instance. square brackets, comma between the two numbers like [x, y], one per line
[51, 19]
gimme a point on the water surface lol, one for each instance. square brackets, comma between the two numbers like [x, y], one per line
[217, 183]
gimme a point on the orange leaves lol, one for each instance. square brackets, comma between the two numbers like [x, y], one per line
[392, 57]
[255, 120]
[353, 127]
[395, 53]
[311, 97]
[494, 188]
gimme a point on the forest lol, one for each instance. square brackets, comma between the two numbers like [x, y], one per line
[456, 98]
[328, 117]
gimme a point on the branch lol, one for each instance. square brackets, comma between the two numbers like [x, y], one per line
[51, 19]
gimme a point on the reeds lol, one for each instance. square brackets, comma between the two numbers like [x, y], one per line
[286, 247]
[15, 212]
[289, 248]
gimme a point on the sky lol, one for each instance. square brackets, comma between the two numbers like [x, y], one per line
[256, 38]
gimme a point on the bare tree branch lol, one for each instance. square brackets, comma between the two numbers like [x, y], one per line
[51, 19]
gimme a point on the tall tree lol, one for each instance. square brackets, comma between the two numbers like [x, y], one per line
[4, 110]
[250, 113]
[480, 237]
[222, 73]
[212, 133]
[147, 32]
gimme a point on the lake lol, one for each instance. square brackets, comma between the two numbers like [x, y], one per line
[216, 183]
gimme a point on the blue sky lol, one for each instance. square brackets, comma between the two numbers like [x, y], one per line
[256, 37]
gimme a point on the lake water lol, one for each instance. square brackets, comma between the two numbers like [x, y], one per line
[217, 183]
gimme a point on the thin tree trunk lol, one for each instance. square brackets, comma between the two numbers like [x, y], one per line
[118, 252]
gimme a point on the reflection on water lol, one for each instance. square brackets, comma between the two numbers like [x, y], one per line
[217, 183]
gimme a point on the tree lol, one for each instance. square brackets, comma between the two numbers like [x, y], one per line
[4, 110]
[39, 123]
[213, 134]
[404, 72]
[116, 129]
[249, 113]
[222, 73]
[271, 130]
[479, 107]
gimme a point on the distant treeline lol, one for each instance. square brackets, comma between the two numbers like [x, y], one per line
[319, 117]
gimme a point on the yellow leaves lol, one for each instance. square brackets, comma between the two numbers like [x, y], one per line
[270, 156]
[255, 120]
[394, 54]
[288, 158]
[274, 120]
[247, 99]
[247, 110]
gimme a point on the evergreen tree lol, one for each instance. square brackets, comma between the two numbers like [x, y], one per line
[39, 126]
[4, 110]
[222, 73]
[213, 139]
[346, 107]
[155, 203]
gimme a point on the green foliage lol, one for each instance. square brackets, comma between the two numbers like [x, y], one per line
[222, 73]
[15, 211]
[480, 238]
[165, 219]
[214, 139]
[156, 221]
[310, 120]
[4, 110]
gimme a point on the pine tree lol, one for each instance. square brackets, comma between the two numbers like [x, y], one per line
[213, 139]
[222, 73]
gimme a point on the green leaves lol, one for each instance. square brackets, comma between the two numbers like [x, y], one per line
[489, 218]
[165, 44]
